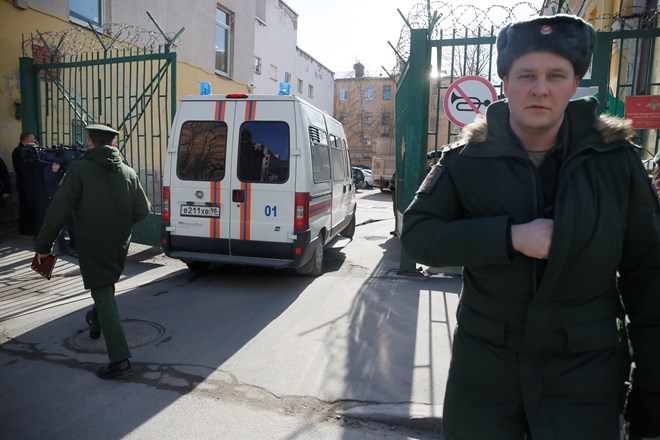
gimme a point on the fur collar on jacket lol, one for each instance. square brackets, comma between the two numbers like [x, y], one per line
[611, 129]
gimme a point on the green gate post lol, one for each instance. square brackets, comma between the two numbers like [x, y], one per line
[600, 68]
[412, 109]
[147, 231]
[28, 78]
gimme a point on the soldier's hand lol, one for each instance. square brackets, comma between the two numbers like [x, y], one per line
[642, 411]
[40, 256]
[534, 238]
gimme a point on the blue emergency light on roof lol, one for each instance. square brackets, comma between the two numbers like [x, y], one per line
[205, 88]
[285, 88]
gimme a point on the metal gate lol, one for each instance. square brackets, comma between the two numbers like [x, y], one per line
[623, 66]
[77, 77]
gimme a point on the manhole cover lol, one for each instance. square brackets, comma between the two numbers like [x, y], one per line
[138, 333]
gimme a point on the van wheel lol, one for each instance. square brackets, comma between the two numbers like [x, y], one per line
[314, 267]
[198, 266]
[349, 230]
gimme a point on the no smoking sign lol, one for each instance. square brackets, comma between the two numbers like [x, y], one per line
[468, 97]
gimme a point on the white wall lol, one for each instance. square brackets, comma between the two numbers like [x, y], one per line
[312, 72]
[276, 44]
[196, 45]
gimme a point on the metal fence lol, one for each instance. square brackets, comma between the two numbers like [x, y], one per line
[67, 83]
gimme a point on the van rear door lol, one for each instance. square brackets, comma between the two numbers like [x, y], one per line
[199, 183]
[263, 179]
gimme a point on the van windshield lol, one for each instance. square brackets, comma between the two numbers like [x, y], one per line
[263, 152]
[202, 151]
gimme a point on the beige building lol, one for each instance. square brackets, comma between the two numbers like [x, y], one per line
[365, 105]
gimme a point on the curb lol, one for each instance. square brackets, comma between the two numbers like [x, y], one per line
[411, 415]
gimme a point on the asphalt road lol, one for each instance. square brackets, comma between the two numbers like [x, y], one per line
[232, 353]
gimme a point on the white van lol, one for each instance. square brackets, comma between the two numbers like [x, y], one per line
[261, 180]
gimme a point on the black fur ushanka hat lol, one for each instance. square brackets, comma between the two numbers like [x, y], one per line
[565, 35]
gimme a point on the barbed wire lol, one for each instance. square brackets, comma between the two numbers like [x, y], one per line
[79, 40]
[472, 21]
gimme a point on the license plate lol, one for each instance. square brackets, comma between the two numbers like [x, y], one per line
[200, 211]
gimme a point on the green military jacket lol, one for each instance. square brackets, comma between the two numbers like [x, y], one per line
[606, 223]
[106, 198]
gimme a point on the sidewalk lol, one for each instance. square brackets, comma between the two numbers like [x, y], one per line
[22, 291]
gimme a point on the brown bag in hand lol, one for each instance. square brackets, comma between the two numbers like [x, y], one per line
[45, 268]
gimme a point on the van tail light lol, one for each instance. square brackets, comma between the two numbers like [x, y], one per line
[236, 96]
[301, 221]
[166, 205]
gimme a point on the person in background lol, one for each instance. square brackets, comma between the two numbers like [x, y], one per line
[107, 198]
[5, 183]
[53, 175]
[656, 173]
[546, 206]
[26, 216]
[34, 188]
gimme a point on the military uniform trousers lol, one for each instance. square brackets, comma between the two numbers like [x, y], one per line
[106, 316]
[497, 393]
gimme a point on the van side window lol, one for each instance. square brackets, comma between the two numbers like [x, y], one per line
[320, 154]
[338, 161]
[202, 151]
[263, 152]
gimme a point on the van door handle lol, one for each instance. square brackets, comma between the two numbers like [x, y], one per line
[238, 196]
[344, 189]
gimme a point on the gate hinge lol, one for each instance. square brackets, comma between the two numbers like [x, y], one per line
[296, 152]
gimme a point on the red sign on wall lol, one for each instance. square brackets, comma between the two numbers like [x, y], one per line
[643, 111]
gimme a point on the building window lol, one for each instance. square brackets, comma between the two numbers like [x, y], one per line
[366, 140]
[222, 40]
[287, 77]
[387, 93]
[273, 72]
[343, 93]
[367, 118]
[310, 91]
[343, 117]
[386, 118]
[369, 93]
[300, 86]
[257, 65]
[260, 10]
[87, 10]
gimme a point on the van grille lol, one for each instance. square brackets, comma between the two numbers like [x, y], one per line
[314, 135]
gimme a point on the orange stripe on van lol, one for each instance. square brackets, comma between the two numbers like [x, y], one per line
[220, 107]
[214, 224]
[250, 110]
[320, 208]
[246, 212]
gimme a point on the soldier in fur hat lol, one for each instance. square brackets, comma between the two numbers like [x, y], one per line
[544, 204]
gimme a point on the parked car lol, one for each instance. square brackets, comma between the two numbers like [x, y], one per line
[368, 178]
[363, 167]
[362, 178]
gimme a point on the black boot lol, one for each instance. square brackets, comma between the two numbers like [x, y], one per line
[114, 369]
